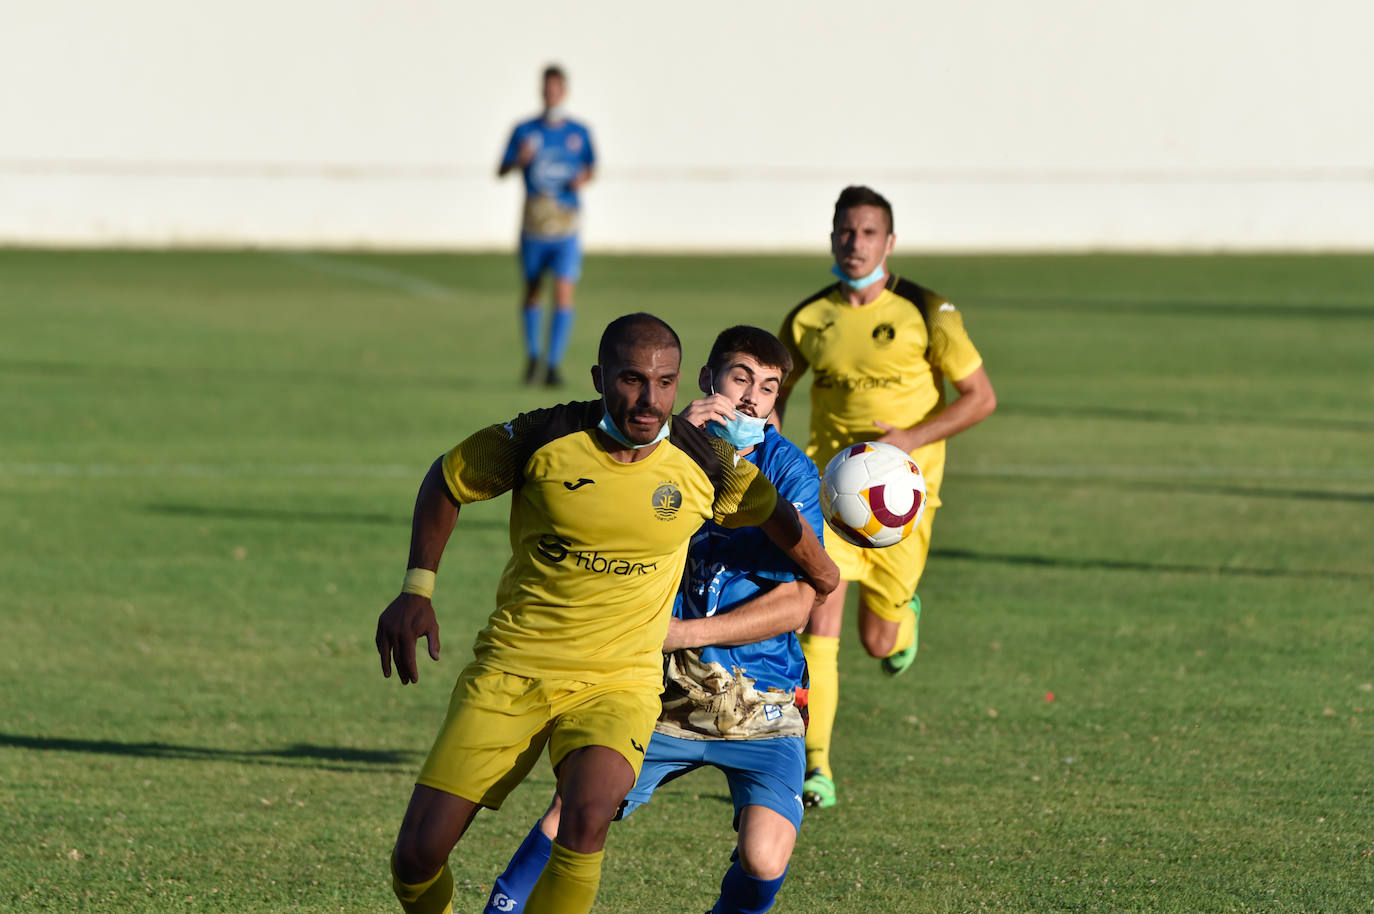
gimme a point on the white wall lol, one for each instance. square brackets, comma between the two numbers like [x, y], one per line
[1001, 124]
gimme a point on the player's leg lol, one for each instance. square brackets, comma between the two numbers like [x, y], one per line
[494, 732]
[433, 823]
[511, 889]
[889, 610]
[821, 645]
[765, 783]
[567, 269]
[533, 256]
[597, 747]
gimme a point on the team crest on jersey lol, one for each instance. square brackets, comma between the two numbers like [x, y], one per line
[666, 501]
[883, 335]
[573, 142]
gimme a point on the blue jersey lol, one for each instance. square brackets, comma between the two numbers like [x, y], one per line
[728, 567]
[561, 151]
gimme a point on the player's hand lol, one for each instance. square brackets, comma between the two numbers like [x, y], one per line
[905, 438]
[580, 179]
[399, 627]
[715, 407]
[526, 154]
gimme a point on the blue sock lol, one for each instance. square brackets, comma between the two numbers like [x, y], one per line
[531, 325]
[513, 887]
[741, 893]
[560, 331]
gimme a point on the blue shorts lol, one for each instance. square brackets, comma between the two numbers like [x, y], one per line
[562, 256]
[760, 772]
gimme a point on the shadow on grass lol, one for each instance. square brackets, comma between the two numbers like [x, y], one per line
[1359, 311]
[305, 516]
[300, 755]
[1099, 564]
[1168, 485]
[1182, 417]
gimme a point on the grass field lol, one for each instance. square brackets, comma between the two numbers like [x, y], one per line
[207, 466]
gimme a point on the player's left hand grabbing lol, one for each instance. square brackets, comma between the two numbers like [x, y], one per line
[399, 628]
[716, 407]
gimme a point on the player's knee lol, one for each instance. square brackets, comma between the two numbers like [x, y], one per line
[416, 860]
[765, 861]
[877, 642]
[584, 823]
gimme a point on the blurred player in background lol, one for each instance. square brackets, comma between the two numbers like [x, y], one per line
[555, 155]
[880, 349]
[606, 495]
[734, 664]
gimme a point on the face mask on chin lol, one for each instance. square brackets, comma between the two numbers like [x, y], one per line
[608, 426]
[862, 281]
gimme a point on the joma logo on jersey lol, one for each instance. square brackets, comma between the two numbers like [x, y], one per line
[555, 549]
[666, 500]
[825, 378]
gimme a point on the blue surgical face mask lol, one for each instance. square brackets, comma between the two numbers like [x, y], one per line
[609, 427]
[862, 281]
[740, 432]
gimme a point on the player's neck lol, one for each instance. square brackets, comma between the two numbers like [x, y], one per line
[857, 298]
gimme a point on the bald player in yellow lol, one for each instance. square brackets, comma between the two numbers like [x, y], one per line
[880, 349]
[605, 496]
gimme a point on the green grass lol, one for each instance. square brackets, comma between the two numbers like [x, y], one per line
[207, 464]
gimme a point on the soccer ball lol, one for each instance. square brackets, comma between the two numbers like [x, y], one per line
[872, 494]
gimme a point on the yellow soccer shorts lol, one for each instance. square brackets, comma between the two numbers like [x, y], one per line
[498, 723]
[888, 577]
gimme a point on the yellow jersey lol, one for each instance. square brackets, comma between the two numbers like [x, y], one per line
[597, 546]
[886, 360]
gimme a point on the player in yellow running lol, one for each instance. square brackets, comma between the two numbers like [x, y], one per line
[880, 349]
[606, 495]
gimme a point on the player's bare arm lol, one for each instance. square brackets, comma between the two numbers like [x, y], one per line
[786, 528]
[783, 609]
[975, 402]
[581, 179]
[411, 616]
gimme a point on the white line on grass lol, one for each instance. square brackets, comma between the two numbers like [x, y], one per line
[1021, 471]
[378, 276]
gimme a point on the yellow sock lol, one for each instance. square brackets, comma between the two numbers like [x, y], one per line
[568, 884]
[823, 665]
[906, 634]
[434, 896]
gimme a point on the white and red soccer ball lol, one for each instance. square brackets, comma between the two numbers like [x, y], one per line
[872, 494]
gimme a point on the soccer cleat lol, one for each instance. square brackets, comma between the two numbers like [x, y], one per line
[818, 790]
[897, 663]
[553, 378]
[531, 370]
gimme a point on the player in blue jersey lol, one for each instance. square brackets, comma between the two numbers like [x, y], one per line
[733, 665]
[555, 155]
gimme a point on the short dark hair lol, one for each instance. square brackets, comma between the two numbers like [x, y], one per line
[861, 195]
[554, 71]
[751, 341]
[638, 329]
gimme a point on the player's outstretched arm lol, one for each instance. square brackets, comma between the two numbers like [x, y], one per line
[784, 608]
[975, 402]
[795, 537]
[411, 616]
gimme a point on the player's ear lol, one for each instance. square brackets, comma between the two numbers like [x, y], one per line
[596, 379]
[704, 379]
[891, 241]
